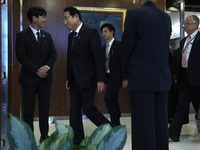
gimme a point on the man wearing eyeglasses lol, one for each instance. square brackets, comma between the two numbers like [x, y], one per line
[188, 76]
[85, 71]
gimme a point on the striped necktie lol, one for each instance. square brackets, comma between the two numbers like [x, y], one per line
[107, 57]
[183, 63]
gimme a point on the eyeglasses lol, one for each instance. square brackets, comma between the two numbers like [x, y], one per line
[65, 19]
[188, 24]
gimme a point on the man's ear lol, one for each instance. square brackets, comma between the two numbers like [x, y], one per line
[77, 16]
[112, 32]
[34, 18]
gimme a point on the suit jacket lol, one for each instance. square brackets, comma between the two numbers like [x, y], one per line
[145, 48]
[117, 69]
[193, 62]
[86, 61]
[32, 56]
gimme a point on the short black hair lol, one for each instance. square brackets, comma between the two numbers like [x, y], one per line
[73, 11]
[109, 26]
[172, 43]
[35, 11]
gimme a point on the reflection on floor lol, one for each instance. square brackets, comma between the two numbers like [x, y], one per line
[189, 140]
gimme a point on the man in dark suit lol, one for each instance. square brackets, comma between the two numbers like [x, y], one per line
[85, 71]
[36, 53]
[115, 72]
[145, 44]
[188, 75]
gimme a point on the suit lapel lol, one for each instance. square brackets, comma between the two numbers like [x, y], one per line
[78, 38]
[33, 39]
[31, 35]
[195, 44]
[42, 41]
[196, 40]
[112, 49]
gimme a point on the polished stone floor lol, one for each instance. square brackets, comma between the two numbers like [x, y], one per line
[189, 140]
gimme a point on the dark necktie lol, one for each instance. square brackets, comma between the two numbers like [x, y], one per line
[74, 38]
[38, 37]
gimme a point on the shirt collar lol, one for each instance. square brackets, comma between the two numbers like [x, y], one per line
[34, 31]
[79, 27]
[193, 34]
[110, 43]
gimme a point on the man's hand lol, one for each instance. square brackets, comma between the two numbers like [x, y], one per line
[42, 72]
[100, 86]
[124, 83]
[66, 85]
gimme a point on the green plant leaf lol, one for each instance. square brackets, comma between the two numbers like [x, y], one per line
[116, 138]
[63, 128]
[48, 141]
[98, 135]
[63, 142]
[62, 138]
[101, 145]
[20, 135]
[84, 142]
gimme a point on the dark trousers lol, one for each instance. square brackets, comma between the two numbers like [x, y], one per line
[172, 101]
[149, 120]
[42, 90]
[172, 104]
[111, 101]
[186, 94]
[83, 98]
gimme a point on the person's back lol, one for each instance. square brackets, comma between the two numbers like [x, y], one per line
[145, 45]
[151, 48]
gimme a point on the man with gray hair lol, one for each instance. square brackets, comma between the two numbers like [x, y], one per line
[187, 76]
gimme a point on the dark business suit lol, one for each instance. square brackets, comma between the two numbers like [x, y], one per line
[85, 67]
[114, 81]
[189, 82]
[145, 49]
[32, 56]
[174, 91]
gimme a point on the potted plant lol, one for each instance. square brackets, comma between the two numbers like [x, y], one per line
[21, 137]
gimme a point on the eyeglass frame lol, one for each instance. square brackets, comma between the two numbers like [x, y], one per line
[66, 19]
[188, 24]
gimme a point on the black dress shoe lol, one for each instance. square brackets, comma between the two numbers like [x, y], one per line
[42, 138]
[114, 125]
[175, 139]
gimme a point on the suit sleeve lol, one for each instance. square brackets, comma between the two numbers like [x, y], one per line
[52, 53]
[128, 38]
[98, 54]
[68, 57]
[123, 70]
[20, 46]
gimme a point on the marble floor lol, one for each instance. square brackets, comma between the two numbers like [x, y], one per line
[189, 140]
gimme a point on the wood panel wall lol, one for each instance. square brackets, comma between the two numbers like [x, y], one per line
[13, 65]
[0, 69]
[60, 98]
